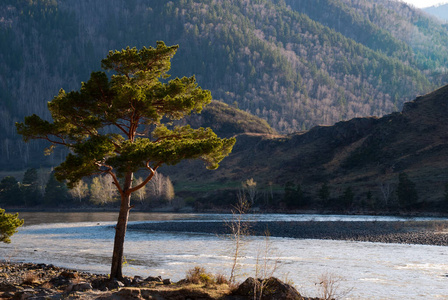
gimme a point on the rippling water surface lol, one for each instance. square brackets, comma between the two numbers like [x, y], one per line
[367, 270]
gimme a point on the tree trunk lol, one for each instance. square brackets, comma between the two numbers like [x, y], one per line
[120, 230]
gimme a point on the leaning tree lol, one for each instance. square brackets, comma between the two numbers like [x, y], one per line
[124, 124]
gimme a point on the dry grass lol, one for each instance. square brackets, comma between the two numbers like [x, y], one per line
[198, 275]
[190, 291]
[31, 278]
[221, 279]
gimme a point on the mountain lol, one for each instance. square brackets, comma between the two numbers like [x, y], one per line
[440, 11]
[296, 64]
[363, 154]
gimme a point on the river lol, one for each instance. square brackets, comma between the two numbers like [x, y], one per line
[362, 270]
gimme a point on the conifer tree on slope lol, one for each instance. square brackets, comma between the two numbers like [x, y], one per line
[139, 103]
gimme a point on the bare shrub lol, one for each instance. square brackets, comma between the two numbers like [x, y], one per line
[265, 266]
[30, 278]
[198, 275]
[79, 191]
[221, 279]
[103, 190]
[440, 226]
[239, 230]
[329, 287]
[250, 186]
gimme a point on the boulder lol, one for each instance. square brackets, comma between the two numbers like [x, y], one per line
[128, 293]
[154, 279]
[272, 288]
[105, 284]
[60, 281]
[68, 274]
[81, 287]
[137, 281]
[25, 294]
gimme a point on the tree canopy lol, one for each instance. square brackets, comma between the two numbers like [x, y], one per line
[124, 123]
[134, 102]
[8, 225]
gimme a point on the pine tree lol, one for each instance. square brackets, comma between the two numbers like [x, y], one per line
[30, 188]
[406, 191]
[324, 193]
[8, 225]
[137, 106]
[347, 198]
[10, 193]
[55, 192]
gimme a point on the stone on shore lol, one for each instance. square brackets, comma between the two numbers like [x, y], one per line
[57, 283]
[271, 289]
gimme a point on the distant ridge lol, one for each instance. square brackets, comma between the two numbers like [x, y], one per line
[439, 10]
[365, 154]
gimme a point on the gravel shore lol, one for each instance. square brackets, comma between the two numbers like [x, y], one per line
[403, 232]
[41, 282]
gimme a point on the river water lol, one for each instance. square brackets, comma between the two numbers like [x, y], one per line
[362, 270]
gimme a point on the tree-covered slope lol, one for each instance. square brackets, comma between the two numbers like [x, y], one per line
[290, 65]
[391, 27]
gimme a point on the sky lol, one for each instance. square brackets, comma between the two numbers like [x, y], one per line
[424, 3]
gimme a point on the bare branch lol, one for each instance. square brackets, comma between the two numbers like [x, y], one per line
[121, 127]
[152, 171]
[109, 170]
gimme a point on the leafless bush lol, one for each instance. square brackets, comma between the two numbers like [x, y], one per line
[265, 266]
[199, 275]
[440, 226]
[250, 187]
[221, 279]
[239, 230]
[329, 287]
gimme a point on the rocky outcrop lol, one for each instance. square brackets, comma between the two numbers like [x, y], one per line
[267, 289]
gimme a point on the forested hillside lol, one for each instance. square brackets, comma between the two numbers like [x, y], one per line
[396, 162]
[295, 63]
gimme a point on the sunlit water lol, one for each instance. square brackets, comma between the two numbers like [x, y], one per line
[365, 270]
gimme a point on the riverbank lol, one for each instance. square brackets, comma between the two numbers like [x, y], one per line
[403, 232]
[41, 281]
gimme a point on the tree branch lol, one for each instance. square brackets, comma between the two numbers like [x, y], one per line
[114, 177]
[121, 127]
[148, 178]
[62, 142]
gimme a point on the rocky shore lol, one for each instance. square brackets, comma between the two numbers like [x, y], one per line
[42, 282]
[404, 232]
